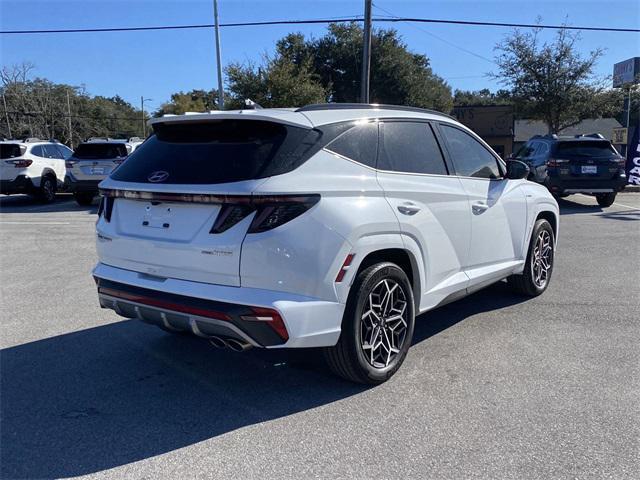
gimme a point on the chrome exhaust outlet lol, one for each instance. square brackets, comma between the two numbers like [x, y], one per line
[237, 345]
[218, 342]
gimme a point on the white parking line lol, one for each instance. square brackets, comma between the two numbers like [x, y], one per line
[615, 203]
[33, 223]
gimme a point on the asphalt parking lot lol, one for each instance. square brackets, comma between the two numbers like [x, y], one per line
[495, 386]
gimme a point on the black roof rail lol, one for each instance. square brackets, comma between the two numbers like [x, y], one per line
[314, 107]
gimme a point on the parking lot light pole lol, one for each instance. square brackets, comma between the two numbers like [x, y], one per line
[218, 60]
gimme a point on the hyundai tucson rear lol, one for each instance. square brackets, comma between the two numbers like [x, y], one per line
[280, 228]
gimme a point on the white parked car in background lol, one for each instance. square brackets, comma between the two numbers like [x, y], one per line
[325, 226]
[33, 166]
[92, 161]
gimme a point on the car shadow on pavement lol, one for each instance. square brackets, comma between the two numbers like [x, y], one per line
[568, 207]
[626, 215]
[27, 204]
[107, 396]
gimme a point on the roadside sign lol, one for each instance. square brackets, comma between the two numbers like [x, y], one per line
[626, 73]
[619, 136]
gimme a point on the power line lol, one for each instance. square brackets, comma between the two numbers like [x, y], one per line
[444, 40]
[322, 21]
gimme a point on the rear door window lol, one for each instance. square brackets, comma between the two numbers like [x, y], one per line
[38, 151]
[11, 150]
[50, 151]
[360, 144]
[218, 151]
[589, 148]
[97, 151]
[410, 147]
[470, 157]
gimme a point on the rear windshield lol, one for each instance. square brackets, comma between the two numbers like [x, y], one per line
[586, 149]
[218, 152]
[11, 150]
[100, 150]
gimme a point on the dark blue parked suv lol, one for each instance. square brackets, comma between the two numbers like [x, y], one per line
[582, 164]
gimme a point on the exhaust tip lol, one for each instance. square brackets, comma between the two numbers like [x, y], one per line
[237, 345]
[218, 342]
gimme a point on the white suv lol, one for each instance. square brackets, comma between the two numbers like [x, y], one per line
[326, 226]
[33, 166]
[92, 162]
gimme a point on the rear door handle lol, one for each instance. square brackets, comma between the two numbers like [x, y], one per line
[408, 209]
[479, 207]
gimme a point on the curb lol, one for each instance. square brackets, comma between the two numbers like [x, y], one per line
[632, 188]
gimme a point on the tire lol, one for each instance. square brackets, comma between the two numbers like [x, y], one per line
[532, 282]
[84, 198]
[46, 193]
[606, 199]
[352, 357]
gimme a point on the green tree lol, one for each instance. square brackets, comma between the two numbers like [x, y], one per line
[328, 69]
[551, 81]
[463, 98]
[193, 101]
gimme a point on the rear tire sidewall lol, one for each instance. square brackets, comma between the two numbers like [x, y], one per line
[352, 325]
[606, 199]
[47, 190]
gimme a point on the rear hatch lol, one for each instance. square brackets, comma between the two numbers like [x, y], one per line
[96, 160]
[11, 160]
[586, 159]
[181, 205]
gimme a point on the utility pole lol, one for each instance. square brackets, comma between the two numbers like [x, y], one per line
[144, 123]
[218, 60]
[69, 117]
[6, 112]
[366, 54]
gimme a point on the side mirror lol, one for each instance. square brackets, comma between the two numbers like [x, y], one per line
[517, 170]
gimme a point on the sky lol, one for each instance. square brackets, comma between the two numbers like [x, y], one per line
[157, 63]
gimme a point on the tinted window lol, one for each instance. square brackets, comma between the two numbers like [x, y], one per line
[218, 151]
[50, 151]
[11, 150]
[589, 148]
[410, 147]
[65, 151]
[470, 157]
[38, 151]
[94, 151]
[526, 150]
[359, 143]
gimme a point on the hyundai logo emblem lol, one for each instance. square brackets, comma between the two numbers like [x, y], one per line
[158, 176]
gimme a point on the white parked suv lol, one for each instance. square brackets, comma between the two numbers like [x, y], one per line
[32, 166]
[92, 162]
[325, 226]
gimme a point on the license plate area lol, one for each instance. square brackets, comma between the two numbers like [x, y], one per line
[157, 216]
[96, 170]
[589, 169]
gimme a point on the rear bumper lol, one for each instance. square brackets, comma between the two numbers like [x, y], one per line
[21, 184]
[585, 185]
[73, 185]
[188, 306]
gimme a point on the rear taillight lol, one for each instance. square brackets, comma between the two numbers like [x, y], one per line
[19, 163]
[270, 211]
[621, 161]
[270, 317]
[118, 162]
[106, 208]
[556, 162]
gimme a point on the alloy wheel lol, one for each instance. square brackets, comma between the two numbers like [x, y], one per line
[383, 324]
[542, 259]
